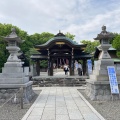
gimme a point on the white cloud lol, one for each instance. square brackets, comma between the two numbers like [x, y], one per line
[83, 18]
[93, 26]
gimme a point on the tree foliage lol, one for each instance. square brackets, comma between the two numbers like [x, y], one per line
[90, 45]
[118, 54]
[70, 36]
[116, 44]
[29, 53]
[35, 39]
[43, 63]
[27, 47]
[5, 29]
[114, 36]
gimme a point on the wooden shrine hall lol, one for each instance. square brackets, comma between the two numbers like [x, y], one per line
[58, 51]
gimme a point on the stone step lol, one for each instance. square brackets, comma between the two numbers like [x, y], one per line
[59, 82]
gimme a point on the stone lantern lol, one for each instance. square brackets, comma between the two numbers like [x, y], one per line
[13, 42]
[13, 77]
[104, 37]
[98, 86]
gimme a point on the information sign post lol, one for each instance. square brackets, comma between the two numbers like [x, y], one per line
[113, 80]
[89, 65]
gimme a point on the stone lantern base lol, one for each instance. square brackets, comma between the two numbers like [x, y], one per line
[100, 90]
[98, 86]
[9, 90]
[12, 79]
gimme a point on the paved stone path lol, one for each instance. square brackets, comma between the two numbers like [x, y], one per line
[61, 103]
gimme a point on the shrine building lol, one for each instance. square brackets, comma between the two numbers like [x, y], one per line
[58, 51]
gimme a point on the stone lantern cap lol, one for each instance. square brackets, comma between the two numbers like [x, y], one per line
[13, 36]
[104, 34]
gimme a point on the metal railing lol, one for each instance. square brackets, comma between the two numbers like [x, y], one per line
[20, 94]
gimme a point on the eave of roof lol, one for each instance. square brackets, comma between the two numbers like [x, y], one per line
[61, 38]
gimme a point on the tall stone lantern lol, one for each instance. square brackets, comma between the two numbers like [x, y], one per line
[13, 64]
[98, 86]
[13, 42]
[13, 76]
[104, 37]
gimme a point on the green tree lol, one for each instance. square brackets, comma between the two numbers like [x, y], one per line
[70, 36]
[90, 45]
[43, 63]
[114, 36]
[3, 53]
[27, 47]
[29, 53]
[35, 39]
[5, 29]
[116, 44]
[45, 36]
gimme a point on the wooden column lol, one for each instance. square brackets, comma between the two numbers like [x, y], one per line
[72, 63]
[84, 66]
[38, 67]
[48, 62]
[51, 67]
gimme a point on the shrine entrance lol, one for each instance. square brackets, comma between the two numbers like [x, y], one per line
[59, 51]
[59, 62]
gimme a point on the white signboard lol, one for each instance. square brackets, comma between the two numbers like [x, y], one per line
[89, 64]
[113, 79]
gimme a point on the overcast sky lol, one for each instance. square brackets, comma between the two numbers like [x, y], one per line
[83, 18]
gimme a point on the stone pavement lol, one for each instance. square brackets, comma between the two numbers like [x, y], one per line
[61, 103]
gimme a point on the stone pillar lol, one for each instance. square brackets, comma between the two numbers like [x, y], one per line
[34, 70]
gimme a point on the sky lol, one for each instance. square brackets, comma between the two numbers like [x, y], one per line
[82, 18]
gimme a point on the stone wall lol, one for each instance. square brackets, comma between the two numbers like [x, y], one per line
[49, 82]
[7, 93]
[100, 91]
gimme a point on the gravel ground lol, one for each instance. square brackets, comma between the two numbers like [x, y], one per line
[13, 111]
[110, 110]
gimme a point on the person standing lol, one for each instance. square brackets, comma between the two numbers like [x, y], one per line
[65, 69]
[79, 69]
